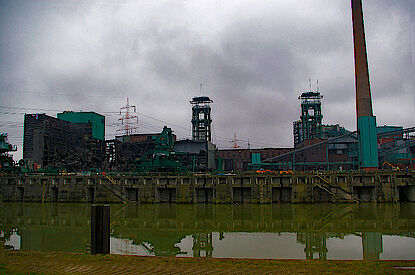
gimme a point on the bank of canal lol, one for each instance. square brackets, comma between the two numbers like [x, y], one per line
[71, 263]
[258, 188]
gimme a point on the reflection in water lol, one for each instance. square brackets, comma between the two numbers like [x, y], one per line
[372, 245]
[323, 231]
[314, 243]
[128, 247]
[13, 241]
[202, 245]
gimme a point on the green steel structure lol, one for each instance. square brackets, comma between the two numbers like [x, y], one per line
[396, 145]
[97, 121]
[201, 118]
[329, 131]
[311, 117]
[162, 158]
[6, 161]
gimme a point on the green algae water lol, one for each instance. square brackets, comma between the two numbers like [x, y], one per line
[277, 231]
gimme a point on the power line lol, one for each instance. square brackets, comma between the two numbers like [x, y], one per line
[11, 113]
[24, 108]
[145, 125]
[108, 112]
[49, 93]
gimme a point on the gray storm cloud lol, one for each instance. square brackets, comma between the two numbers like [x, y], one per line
[253, 59]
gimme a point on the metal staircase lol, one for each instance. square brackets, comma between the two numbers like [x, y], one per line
[325, 185]
[119, 194]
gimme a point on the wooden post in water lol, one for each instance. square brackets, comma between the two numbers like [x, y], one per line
[100, 229]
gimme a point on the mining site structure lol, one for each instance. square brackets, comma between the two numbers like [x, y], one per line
[201, 118]
[366, 122]
[309, 127]
[68, 142]
[163, 157]
[6, 161]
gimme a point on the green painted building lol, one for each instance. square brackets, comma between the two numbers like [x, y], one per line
[97, 121]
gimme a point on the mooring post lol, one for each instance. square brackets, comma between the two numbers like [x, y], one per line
[100, 229]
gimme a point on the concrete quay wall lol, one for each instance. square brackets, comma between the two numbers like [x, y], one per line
[241, 188]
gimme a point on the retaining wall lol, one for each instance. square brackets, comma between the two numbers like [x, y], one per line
[242, 188]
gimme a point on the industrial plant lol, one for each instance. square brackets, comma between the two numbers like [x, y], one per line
[326, 163]
[74, 142]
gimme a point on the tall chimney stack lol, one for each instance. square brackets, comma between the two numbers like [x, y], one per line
[363, 97]
[366, 122]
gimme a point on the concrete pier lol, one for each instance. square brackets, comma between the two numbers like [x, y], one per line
[376, 186]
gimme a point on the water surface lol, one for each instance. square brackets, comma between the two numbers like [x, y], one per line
[277, 231]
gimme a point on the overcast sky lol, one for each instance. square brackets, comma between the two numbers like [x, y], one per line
[254, 59]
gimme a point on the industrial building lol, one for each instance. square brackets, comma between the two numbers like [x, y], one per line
[318, 154]
[240, 159]
[200, 151]
[309, 126]
[316, 146]
[199, 154]
[124, 150]
[54, 142]
[396, 147]
[322, 147]
[319, 146]
[332, 147]
[76, 139]
[97, 121]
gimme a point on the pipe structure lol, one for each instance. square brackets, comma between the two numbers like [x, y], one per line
[366, 122]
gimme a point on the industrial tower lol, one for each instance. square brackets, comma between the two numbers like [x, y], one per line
[201, 118]
[309, 125]
[366, 122]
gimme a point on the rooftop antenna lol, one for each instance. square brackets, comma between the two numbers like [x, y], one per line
[201, 88]
[318, 87]
[309, 82]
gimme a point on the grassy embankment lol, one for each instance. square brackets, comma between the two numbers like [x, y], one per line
[21, 262]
